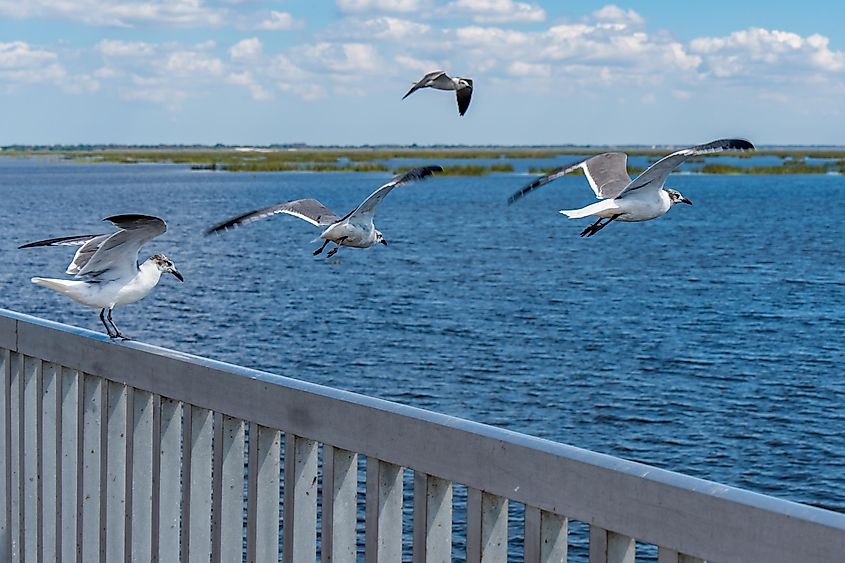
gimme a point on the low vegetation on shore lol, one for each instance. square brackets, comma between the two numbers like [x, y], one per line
[361, 159]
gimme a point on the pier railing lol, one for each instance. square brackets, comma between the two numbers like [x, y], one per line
[129, 452]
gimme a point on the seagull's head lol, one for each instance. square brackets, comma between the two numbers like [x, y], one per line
[166, 265]
[676, 197]
[380, 238]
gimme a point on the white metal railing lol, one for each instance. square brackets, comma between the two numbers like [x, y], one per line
[129, 452]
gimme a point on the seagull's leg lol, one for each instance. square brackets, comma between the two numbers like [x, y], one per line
[319, 250]
[334, 250]
[103, 320]
[596, 227]
[117, 333]
[592, 229]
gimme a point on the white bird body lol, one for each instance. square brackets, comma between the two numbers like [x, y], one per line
[107, 294]
[624, 199]
[638, 206]
[358, 234]
[106, 266]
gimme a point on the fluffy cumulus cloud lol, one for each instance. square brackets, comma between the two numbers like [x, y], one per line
[121, 13]
[22, 64]
[364, 6]
[496, 11]
[275, 21]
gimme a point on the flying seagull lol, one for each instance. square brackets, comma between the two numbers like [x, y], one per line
[439, 80]
[623, 199]
[107, 266]
[354, 229]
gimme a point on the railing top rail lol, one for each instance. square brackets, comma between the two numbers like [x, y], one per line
[691, 515]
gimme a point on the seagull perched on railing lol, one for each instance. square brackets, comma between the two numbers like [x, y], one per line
[107, 266]
[355, 229]
[439, 80]
[623, 199]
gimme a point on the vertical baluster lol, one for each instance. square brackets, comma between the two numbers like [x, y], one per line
[71, 476]
[300, 542]
[5, 456]
[115, 489]
[545, 536]
[167, 533]
[340, 505]
[610, 547]
[487, 528]
[16, 457]
[267, 494]
[199, 516]
[90, 454]
[665, 555]
[31, 421]
[432, 518]
[49, 468]
[229, 445]
[383, 512]
[139, 523]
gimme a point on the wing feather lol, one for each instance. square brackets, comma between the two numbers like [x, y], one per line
[368, 206]
[423, 82]
[606, 172]
[309, 210]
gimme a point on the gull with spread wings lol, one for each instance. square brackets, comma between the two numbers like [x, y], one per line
[439, 80]
[355, 229]
[623, 199]
[107, 266]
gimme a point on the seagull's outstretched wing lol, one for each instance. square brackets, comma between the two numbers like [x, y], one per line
[309, 210]
[368, 207]
[655, 176]
[464, 96]
[88, 246]
[118, 253]
[607, 174]
[424, 81]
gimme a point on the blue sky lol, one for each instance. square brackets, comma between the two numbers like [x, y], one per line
[334, 72]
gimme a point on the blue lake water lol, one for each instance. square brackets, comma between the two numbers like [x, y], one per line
[710, 341]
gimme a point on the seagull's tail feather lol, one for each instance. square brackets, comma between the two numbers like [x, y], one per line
[65, 287]
[595, 209]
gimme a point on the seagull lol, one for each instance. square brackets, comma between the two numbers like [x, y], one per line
[355, 229]
[107, 267]
[439, 80]
[623, 199]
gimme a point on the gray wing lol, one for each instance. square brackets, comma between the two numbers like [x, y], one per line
[368, 207]
[607, 174]
[423, 82]
[655, 176]
[309, 210]
[464, 96]
[118, 253]
[88, 246]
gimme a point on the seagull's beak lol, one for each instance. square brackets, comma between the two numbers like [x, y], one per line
[177, 274]
[685, 200]
[384, 242]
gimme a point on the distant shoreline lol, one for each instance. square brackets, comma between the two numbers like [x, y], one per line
[794, 160]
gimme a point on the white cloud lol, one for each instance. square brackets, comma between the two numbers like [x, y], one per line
[246, 80]
[348, 59]
[362, 6]
[615, 15]
[121, 13]
[277, 21]
[191, 62]
[22, 64]
[496, 11]
[246, 49]
[118, 48]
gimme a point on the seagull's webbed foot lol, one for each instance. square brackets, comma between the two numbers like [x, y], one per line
[596, 227]
[334, 250]
[319, 250]
[117, 333]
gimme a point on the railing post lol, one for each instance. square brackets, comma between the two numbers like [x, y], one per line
[546, 536]
[300, 523]
[487, 527]
[383, 512]
[5, 456]
[268, 480]
[231, 502]
[432, 519]
[340, 505]
[610, 547]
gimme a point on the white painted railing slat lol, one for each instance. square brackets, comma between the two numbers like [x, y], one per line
[115, 472]
[50, 476]
[432, 519]
[340, 506]
[383, 533]
[71, 434]
[91, 453]
[199, 520]
[232, 490]
[268, 485]
[30, 441]
[140, 528]
[300, 515]
[5, 456]
[169, 497]
[487, 528]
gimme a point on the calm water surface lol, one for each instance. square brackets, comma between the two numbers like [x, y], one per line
[710, 341]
